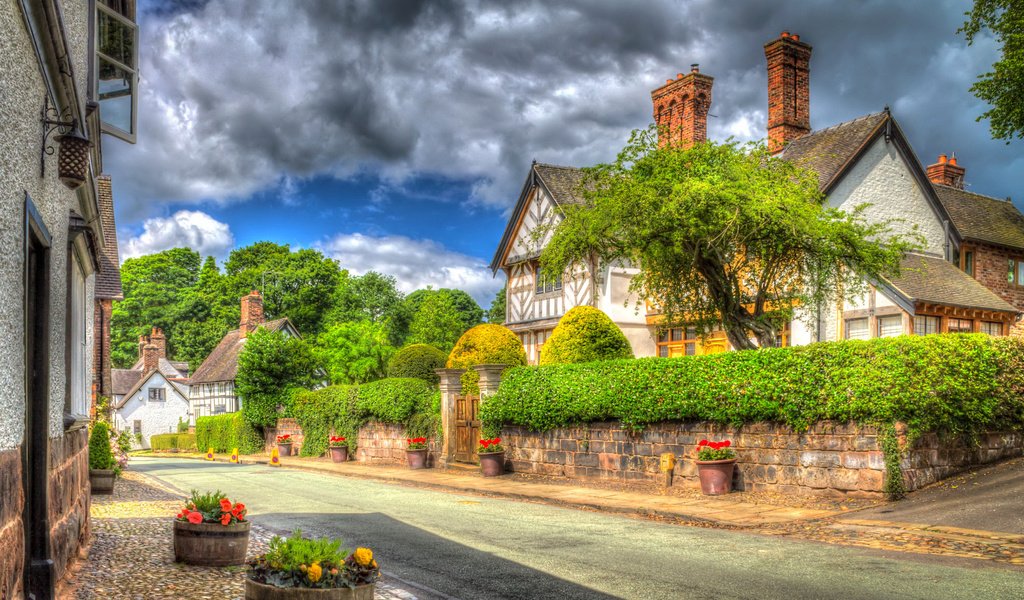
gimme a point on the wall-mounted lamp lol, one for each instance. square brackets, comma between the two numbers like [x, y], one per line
[73, 158]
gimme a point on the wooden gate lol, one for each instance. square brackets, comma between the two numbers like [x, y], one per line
[467, 428]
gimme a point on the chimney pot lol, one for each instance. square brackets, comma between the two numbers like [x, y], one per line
[942, 159]
[795, 37]
[784, 34]
[669, 81]
[946, 172]
[952, 160]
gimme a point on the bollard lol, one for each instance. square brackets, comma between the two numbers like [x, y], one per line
[668, 465]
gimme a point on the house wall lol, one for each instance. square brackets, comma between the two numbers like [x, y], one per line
[207, 399]
[991, 268]
[156, 417]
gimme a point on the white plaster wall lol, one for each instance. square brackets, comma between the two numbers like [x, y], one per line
[801, 329]
[156, 417]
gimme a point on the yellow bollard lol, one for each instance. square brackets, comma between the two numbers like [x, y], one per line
[209, 454]
[234, 455]
[668, 464]
[275, 457]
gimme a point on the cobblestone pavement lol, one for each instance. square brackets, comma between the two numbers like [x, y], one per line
[131, 556]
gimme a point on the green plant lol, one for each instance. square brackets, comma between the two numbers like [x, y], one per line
[485, 344]
[584, 334]
[338, 441]
[270, 366]
[418, 361]
[100, 456]
[211, 507]
[892, 485]
[299, 562]
[226, 432]
[709, 451]
[124, 442]
[173, 441]
[182, 426]
[416, 443]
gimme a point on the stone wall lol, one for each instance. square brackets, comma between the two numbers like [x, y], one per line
[385, 443]
[829, 459]
[284, 427]
[12, 533]
[69, 499]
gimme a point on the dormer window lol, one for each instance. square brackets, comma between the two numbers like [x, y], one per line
[116, 68]
[546, 284]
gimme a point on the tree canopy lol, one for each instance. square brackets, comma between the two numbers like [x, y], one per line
[270, 366]
[1002, 87]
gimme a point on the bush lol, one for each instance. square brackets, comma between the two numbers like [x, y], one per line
[100, 456]
[270, 366]
[226, 432]
[482, 345]
[585, 334]
[173, 441]
[945, 383]
[419, 361]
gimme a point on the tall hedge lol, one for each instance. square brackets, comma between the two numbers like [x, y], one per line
[419, 361]
[485, 344]
[951, 383]
[585, 334]
[226, 432]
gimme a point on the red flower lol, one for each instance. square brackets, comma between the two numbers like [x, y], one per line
[497, 440]
[726, 444]
[225, 518]
[408, 440]
[225, 505]
[702, 443]
[195, 518]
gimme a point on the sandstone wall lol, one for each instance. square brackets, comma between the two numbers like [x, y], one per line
[12, 533]
[69, 499]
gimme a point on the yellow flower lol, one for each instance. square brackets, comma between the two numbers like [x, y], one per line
[314, 572]
[302, 568]
[363, 556]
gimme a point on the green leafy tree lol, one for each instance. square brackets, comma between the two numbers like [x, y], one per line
[1002, 87]
[419, 361]
[496, 313]
[270, 367]
[585, 334]
[437, 322]
[206, 312]
[723, 235]
[354, 352]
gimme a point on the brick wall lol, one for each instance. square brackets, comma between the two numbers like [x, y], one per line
[990, 269]
[382, 443]
[830, 459]
[69, 499]
[12, 533]
[284, 427]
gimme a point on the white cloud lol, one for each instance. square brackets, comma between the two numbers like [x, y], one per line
[415, 264]
[185, 228]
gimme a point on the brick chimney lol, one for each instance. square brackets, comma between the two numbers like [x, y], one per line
[681, 108]
[252, 312]
[947, 172]
[158, 339]
[789, 90]
[143, 340]
[150, 357]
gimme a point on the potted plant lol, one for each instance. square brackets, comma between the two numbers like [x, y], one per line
[492, 457]
[284, 443]
[416, 452]
[715, 465]
[102, 466]
[300, 568]
[339, 448]
[211, 531]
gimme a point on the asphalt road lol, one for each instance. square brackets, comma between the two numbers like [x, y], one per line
[475, 547]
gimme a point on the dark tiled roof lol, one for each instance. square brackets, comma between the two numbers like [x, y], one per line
[123, 380]
[827, 151]
[108, 279]
[983, 218]
[932, 279]
[222, 363]
[562, 182]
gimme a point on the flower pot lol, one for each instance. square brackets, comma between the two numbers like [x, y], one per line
[210, 544]
[715, 476]
[492, 464]
[339, 453]
[286, 449]
[417, 459]
[101, 481]
[262, 591]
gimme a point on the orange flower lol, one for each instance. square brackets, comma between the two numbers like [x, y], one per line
[225, 518]
[239, 507]
[195, 518]
[225, 505]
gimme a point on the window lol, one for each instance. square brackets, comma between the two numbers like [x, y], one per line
[78, 398]
[992, 327]
[857, 329]
[156, 394]
[677, 341]
[1010, 272]
[925, 325]
[546, 285]
[890, 326]
[960, 326]
[137, 427]
[116, 75]
[219, 409]
[969, 262]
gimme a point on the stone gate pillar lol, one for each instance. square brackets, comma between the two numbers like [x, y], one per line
[450, 386]
[490, 379]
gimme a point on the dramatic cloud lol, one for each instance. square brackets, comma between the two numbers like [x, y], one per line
[414, 263]
[185, 228]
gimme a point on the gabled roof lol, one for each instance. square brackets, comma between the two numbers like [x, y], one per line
[983, 218]
[122, 380]
[222, 363]
[829, 151]
[143, 379]
[108, 279]
[163, 366]
[934, 280]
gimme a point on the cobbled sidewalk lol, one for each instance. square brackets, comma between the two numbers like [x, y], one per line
[131, 556]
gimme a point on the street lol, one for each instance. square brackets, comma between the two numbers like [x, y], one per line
[441, 544]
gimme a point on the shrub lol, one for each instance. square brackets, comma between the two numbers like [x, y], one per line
[947, 383]
[419, 361]
[226, 432]
[585, 334]
[172, 441]
[269, 367]
[100, 456]
[481, 345]
[182, 426]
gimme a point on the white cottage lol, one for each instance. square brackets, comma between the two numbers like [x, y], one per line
[151, 397]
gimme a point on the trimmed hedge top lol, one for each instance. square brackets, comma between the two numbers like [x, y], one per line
[419, 361]
[585, 334]
[951, 383]
[482, 345]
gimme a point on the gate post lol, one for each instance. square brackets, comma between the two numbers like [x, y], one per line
[450, 386]
[490, 378]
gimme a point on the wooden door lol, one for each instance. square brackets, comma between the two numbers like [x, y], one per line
[467, 428]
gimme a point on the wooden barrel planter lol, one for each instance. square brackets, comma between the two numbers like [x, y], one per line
[101, 481]
[286, 449]
[262, 591]
[211, 544]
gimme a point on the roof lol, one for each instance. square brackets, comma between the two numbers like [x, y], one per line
[222, 363]
[828, 151]
[935, 280]
[163, 366]
[176, 385]
[983, 218]
[122, 380]
[108, 279]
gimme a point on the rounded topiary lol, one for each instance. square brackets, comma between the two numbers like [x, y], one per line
[585, 334]
[486, 344]
[100, 456]
[419, 361]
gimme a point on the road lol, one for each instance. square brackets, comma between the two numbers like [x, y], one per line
[470, 547]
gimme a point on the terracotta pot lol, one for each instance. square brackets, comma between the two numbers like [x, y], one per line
[715, 476]
[101, 481]
[417, 459]
[492, 464]
[262, 591]
[286, 449]
[339, 453]
[210, 544]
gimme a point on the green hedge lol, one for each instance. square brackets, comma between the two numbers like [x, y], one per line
[419, 361]
[946, 383]
[225, 432]
[343, 409]
[171, 441]
[585, 334]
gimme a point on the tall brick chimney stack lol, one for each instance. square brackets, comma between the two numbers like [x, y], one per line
[252, 312]
[947, 172]
[143, 340]
[150, 357]
[681, 108]
[158, 339]
[789, 90]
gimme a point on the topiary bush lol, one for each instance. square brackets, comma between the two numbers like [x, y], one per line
[482, 345]
[585, 334]
[100, 456]
[226, 432]
[419, 361]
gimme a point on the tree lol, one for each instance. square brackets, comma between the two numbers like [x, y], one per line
[419, 361]
[485, 344]
[437, 322]
[270, 367]
[1002, 87]
[585, 334]
[467, 314]
[723, 235]
[205, 313]
[496, 313]
[354, 352]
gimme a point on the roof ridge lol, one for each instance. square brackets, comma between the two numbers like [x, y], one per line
[985, 196]
[553, 166]
[842, 123]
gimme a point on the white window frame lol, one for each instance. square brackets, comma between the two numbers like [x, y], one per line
[105, 127]
[78, 339]
[885, 319]
[867, 328]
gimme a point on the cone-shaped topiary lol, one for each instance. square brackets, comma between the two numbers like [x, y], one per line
[419, 361]
[486, 344]
[100, 456]
[585, 334]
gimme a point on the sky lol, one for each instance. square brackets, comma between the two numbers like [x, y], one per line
[395, 135]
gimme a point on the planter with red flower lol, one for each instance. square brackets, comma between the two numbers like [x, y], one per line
[211, 531]
[715, 465]
[339, 448]
[416, 452]
[299, 568]
[492, 457]
[284, 444]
